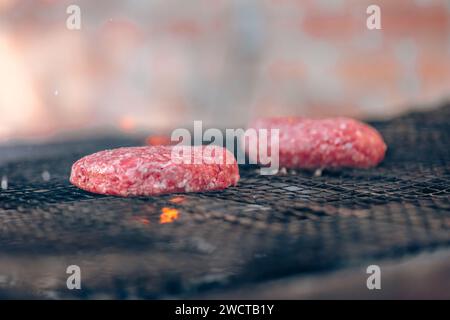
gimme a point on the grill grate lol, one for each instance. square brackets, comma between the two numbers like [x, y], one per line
[265, 228]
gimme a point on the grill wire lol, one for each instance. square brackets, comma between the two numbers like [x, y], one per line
[266, 228]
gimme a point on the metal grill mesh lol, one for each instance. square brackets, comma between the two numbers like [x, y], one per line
[265, 228]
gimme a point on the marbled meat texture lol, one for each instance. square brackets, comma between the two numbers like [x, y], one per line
[152, 170]
[325, 143]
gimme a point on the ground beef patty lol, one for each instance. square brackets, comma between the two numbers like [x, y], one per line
[143, 171]
[325, 143]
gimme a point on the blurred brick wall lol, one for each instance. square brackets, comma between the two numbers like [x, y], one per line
[162, 64]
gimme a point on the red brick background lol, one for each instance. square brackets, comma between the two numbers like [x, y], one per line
[156, 65]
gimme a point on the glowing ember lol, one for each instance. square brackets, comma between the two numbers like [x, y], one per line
[158, 140]
[168, 215]
[177, 199]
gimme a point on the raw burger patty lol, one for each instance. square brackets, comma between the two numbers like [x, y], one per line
[325, 143]
[143, 171]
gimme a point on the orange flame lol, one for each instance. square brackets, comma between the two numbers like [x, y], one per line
[168, 215]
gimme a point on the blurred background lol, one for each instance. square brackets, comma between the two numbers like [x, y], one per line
[156, 65]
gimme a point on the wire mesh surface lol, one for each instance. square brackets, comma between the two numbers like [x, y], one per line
[267, 227]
